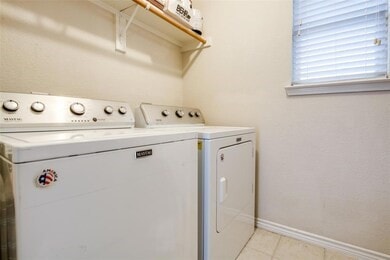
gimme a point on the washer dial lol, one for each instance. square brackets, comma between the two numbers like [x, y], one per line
[37, 107]
[165, 112]
[77, 108]
[179, 113]
[109, 110]
[10, 105]
[122, 110]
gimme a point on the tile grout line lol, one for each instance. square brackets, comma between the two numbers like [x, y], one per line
[277, 244]
[324, 252]
[261, 251]
[272, 253]
[280, 238]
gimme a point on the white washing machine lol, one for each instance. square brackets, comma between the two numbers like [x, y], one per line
[226, 177]
[78, 182]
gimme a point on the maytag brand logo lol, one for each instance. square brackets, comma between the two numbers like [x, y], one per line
[12, 119]
[143, 153]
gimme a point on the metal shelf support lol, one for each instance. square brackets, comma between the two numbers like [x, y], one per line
[198, 46]
[123, 22]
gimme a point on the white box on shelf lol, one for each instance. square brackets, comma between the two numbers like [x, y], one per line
[180, 10]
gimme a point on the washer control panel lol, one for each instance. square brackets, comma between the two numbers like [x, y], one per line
[148, 115]
[33, 112]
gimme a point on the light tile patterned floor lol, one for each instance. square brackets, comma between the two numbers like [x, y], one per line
[265, 245]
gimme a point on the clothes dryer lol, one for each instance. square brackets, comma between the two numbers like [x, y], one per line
[79, 182]
[226, 168]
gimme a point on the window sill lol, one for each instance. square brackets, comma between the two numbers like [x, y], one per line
[339, 87]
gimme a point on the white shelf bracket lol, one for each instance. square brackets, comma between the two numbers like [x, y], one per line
[189, 48]
[122, 24]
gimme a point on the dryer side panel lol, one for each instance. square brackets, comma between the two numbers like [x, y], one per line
[234, 185]
[7, 211]
[228, 195]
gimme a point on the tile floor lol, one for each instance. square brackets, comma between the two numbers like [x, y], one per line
[265, 245]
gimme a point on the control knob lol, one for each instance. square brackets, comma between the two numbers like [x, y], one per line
[37, 107]
[165, 112]
[77, 108]
[10, 105]
[191, 114]
[179, 113]
[122, 110]
[197, 114]
[109, 110]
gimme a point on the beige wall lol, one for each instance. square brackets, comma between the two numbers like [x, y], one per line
[324, 160]
[67, 48]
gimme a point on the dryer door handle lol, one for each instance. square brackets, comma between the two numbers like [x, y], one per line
[223, 189]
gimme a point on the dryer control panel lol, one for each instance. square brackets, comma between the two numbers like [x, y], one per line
[39, 112]
[149, 116]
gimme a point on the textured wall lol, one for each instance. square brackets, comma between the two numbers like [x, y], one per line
[324, 160]
[67, 48]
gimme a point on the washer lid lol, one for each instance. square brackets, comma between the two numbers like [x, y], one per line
[34, 146]
[209, 132]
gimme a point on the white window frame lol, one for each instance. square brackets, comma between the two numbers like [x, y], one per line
[362, 85]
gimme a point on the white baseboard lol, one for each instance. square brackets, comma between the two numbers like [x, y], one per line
[359, 252]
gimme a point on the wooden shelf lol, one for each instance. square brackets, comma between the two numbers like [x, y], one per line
[152, 19]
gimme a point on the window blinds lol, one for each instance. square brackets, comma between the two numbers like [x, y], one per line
[335, 40]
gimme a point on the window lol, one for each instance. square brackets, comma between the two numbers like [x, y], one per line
[339, 41]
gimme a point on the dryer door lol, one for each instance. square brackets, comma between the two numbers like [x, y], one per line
[234, 184]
